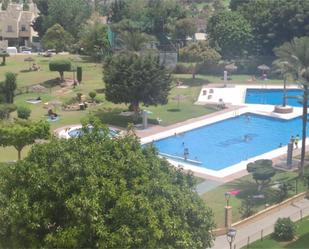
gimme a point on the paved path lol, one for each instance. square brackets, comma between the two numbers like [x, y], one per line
[253, 231]
[206, 186]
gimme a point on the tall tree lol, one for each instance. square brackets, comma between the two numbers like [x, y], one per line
[71, 15]
[230, 31]
[199, 52]
[296, 53]
[9, 87]
[183, 28]
[22, 133]
[275, 22]
[98, 192]
[93, 38]
[134, 79]
[57, 38]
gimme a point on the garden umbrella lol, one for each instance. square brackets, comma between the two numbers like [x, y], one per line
[231, 67]
[263, 68]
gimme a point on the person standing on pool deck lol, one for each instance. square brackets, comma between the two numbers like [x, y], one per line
[292, 141]
[296, 140]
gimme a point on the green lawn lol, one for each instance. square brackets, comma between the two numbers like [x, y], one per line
[301, 241]
[216, 201]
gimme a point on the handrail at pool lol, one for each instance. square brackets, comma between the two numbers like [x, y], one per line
[179, 158]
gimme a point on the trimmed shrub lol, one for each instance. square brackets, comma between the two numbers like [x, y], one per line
[60, 66]
[79, 74]
[92, 95]
[284, 229]
[23, 112]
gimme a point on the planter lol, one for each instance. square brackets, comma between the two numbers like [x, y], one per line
[283, 109]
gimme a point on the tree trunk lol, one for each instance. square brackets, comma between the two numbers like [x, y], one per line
[19, 155]
[194, 71]
[135, 106]
[304, 119]
[61, 76]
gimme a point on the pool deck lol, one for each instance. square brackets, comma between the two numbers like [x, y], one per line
[234, 109]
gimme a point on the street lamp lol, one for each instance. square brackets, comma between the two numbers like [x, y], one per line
[231, 234]
[227, 196]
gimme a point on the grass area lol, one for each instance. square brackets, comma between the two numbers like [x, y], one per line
[216, 201]
[301, 241]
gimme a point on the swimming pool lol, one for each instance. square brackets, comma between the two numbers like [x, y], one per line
[228, 142]
[272, 96]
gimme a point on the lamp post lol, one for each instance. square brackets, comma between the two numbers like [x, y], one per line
[228, 210]
[231, 234]
[227, 196]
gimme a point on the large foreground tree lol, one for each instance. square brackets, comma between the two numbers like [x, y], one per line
[97, 192]
[296, 53]
[135, 79]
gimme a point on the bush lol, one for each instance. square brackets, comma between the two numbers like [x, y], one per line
[284, 229]
[5, 110]
[92, 95]
[182, 68]
[246, 208]
[23, 112]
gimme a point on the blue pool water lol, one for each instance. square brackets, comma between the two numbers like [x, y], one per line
[230, 141]
[78, 132]
[272, 96]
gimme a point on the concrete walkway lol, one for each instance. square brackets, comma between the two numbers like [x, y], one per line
[206, 186]
[264, 226]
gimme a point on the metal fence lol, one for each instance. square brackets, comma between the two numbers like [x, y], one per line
[261, 234]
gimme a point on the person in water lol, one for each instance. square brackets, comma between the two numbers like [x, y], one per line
[296, 140]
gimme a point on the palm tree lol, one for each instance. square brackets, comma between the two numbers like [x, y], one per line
[135, 41]
[296, 53]
[286, 70]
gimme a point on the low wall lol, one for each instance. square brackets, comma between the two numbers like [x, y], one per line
[262, 214]
[269, 210]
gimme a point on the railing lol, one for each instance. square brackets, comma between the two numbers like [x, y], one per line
[262, 233]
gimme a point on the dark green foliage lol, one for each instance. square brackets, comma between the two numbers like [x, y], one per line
[284, 229]
[22, 133]
[9, 87]
[69, 14]
[3, 55]
[275, 22]
[133, 79]
[234, 4]
[246, 208]
[23, 112]
[79, 74]
[92, 95]
[94, 39]
[283, 191]
[95, 192]
[118, 10]
[60, 66]
[57, 38]
[262, 172]
[6, 109]
[230, 31]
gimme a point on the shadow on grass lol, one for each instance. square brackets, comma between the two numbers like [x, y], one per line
[174, 110]
[51, 83]
[25, 71]
[194, 82]
[112, 116]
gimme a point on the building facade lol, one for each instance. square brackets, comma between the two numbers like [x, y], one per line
[15, 25]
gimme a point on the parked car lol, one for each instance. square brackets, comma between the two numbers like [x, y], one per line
[25, 50]
[11, 50]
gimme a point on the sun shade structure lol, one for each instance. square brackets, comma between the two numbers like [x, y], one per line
[231, 67]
